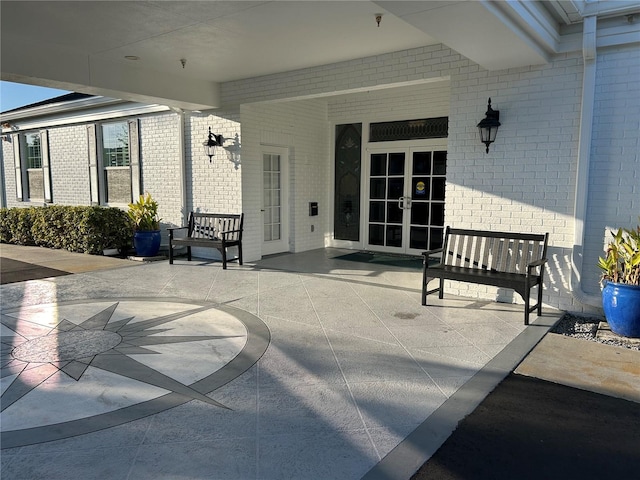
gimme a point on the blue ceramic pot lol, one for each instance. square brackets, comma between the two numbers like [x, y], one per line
[621, 303]
[146, 243]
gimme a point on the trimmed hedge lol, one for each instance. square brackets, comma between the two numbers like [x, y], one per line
[77, 229]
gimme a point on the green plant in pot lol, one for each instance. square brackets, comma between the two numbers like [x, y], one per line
[621, 282]
[146, 225]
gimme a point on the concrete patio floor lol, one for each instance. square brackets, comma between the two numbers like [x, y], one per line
[298, 366]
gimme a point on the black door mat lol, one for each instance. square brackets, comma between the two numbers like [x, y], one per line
[402, 261]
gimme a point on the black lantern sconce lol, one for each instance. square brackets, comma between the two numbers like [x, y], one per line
[488, 126]
[212, 142]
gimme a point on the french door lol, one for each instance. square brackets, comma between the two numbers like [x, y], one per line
[275, 203]
[405, 200]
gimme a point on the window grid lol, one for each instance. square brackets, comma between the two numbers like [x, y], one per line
[115, 144]
[34, 150]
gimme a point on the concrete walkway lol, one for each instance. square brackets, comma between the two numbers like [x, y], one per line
[298, 366]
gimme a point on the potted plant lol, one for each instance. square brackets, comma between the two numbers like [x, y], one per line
[621, 282]
[146, 226]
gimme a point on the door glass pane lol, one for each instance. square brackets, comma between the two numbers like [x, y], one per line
[376, 212]
[394, 236]
[437, 214]
[376, 234]
[420, 188]
[438, 189]
[422, 163]
[378, 189]
[378, 164]
[440, 163]
[396, 164]
[394, 213]
[396, 188]
[436, 237]
[419, 213]
[418, 238]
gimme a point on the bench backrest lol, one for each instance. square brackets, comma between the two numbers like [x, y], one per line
[209, 225]
[497, 251]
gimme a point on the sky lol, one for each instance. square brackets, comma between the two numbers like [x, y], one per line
[14, 95]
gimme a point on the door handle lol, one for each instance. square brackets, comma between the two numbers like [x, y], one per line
[401, 203]
[407, 202]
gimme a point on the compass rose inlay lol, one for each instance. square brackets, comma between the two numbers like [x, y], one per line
[78, 367]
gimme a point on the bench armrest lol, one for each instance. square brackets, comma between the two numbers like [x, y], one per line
[435, 250]
[173, 229]
[537, 263]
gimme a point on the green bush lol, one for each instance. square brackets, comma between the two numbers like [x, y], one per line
[16, 225]
[77, 229]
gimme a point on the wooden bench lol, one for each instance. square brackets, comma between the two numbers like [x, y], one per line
[507, 260]
[210, 230]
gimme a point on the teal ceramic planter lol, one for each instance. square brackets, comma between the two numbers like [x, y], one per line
[621, 303]
[147, 242]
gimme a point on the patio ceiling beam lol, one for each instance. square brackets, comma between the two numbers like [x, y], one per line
[59, 67]
[495, 35]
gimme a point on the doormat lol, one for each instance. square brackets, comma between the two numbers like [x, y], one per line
[403, 261]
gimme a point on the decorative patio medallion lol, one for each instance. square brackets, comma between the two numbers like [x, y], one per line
[78, 367]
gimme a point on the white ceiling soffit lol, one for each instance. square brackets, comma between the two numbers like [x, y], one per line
[82, 46]
[496, 35]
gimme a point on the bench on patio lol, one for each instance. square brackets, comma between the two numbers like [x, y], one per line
[210, 230]
[507, 260]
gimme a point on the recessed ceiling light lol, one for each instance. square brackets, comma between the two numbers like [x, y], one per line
[132, 57]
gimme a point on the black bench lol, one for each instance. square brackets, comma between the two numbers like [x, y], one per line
[210, 230]
[508, 260]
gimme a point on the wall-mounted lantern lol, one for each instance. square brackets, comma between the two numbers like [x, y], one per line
[488, 126]
[212, 142]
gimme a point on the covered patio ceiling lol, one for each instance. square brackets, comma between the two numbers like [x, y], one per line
[179, 52]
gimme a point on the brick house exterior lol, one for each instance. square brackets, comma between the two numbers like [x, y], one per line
[538, 176]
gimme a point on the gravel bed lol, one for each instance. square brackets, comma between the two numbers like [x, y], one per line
[586, 327]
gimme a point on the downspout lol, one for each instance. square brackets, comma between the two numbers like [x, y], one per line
[589, 54]
[183, 164]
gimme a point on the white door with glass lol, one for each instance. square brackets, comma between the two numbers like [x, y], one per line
[405, 200]
[275, 200]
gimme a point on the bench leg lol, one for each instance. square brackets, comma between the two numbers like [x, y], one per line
[170, 253]
[540, 299]
[189, 252]
[441, 292]
[240, 253]
[223, 250]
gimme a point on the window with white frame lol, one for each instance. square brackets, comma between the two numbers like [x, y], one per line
[35, 176]
[116, 163]
[32, 172]
[113, 162]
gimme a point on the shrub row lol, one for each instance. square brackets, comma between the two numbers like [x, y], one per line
[77, 229]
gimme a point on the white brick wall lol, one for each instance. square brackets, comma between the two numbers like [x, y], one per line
[69, 165]
[160, 162]
[213, 187]
[527, 180]
[302, 128]
[614, 186]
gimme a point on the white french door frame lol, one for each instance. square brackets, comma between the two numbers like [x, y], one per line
[281, 244]
[408, 148]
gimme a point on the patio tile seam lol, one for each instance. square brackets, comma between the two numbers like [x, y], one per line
[349, 389]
